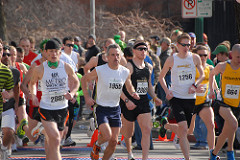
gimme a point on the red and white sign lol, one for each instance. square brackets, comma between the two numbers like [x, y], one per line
[189, 9]
[196, 8]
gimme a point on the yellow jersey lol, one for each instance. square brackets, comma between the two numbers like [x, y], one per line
[230, 86]
[203, 97]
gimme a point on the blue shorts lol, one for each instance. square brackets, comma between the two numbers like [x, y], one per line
[110, 115]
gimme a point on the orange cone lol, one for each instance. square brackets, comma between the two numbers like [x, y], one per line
[172, 136]
[94, 138]
[162, 139]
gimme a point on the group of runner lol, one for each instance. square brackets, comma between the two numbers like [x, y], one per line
[121, 95]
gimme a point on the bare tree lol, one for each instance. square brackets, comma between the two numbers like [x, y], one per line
[3, 27]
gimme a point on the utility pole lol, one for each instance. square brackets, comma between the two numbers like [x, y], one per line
[92, 17]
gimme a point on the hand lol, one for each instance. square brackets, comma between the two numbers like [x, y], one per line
[68, 96]
[130, 105]
[35, 101]
[89, 101]
[169, 95]
[192, 90]
[135, 96]
[157, 101]
[212, 95]
[201, 88]
[5, 95]
[73, 100]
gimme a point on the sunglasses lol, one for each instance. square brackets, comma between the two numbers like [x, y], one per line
[6, 54]
[184, 45]
[141, 49]
[70, 45]
[203, 55]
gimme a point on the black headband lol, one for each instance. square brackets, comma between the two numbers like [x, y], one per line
[139, 44]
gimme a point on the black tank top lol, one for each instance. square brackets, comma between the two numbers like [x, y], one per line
[139, 78]
[100, 60]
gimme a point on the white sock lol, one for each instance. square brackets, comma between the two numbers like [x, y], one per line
[130, 155]
[3, 147]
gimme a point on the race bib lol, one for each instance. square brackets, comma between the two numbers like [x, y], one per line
[115, 86]
[57, 97]
[142, 88]
[185, 77]
[232, 91]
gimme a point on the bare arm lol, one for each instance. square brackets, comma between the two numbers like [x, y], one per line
[167, 66]
[85, 79]
[151, 90]
[198, 64]
[131, 89]
[26, 80]
[36, 75]
[92, 63]
[218, 69]
[72, 77]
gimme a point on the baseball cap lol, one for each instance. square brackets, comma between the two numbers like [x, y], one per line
[192, 35]
[52, 44]
[219, 49]
[92, 36]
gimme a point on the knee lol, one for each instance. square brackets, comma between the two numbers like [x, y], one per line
[182, 131]
[146, 130]
[112, 142]
[54, 140]
[234, 125]
[106, 136]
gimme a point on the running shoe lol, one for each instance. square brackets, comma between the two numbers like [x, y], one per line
[36, 130]
[176, 142]
[91, 127]
[123, 144]
[104, 146]
[69, 142]
[95, 152]
[130, 157]
[3, 154]
[20, 131]
[25, 141]
[230, 155]
[213, 157]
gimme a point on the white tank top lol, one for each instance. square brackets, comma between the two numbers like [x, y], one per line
[54, 84]
[109, 85]
[183, 75]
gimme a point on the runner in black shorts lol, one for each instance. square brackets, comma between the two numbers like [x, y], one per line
[182, 92]
[141, 79]
[53, 75]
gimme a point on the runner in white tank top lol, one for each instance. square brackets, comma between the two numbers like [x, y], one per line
[54, 75]
[182, 93]
[111, 78]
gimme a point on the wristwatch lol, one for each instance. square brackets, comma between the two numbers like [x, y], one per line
[126, 100]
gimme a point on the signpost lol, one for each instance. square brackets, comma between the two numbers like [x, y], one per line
[196, 8]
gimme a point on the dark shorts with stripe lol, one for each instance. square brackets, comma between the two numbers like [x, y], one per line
[33, 113]
[58, 116]
[182, 109]
[110, 115]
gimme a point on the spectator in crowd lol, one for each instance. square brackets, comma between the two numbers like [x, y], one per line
[92, 49]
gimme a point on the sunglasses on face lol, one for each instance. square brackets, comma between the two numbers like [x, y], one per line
[141, 49]
[184, 45]
[6, 54]
[203, 55]
[70, 45]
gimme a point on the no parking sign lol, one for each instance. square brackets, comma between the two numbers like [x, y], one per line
[196, 8]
